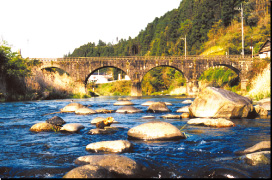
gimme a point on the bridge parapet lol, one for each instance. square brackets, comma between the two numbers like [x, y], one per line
[116, 58]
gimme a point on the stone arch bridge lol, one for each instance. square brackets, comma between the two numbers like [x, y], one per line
[80, 68]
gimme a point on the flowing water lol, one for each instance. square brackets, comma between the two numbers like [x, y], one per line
[207, 152]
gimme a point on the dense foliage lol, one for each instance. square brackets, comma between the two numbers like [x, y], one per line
[198, 20]
[13, 70]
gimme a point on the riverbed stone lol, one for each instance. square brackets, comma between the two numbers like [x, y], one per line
[72, 127]
[261, 111]
[171, 116]
[265, 103]
[220, 122]
[105, 111]
[158, 107]
[185, 115]
[256, 158]
[72, 107]
[148, 103]
[184, 109]
[123, 103]
[129, 109]
[56, 120]
[148, 117]
[85, 111]
[219, 103]
[155, 130]
[116, 146]
[98, 119]
[120, 165]
[263, 145]
[88, 171]
[123, 99]
[188, 101]
[102, 131]
[43, 126]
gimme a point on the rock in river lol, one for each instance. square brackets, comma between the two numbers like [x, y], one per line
[98, 119]
[263, 145]
[171, 116]
[120, 165]
[211, 122]
[129, 109]
[72, 107]
[123, 103]
[84, 111]
[72, 127]
[56, 120]
[39, 127]
[88, 171]
[148, 103]
[155, 130]
[158, 107]
[220, 103]
[116, 146]
[183, 109]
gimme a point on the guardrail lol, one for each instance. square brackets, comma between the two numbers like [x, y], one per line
[191, 57]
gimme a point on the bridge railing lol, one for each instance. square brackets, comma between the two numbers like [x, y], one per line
[116, 58]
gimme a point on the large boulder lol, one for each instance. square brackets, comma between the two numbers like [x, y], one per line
[263, 145]
[158, 107]
[72, 107]
[155, 130]
[56, 120]
[116, 146]
[39, 127]
[129, 109]
[220, 103]
[123, 103]
[220, 122]
[88, 171]
[72, 127]
[84, 111]
[120, 165]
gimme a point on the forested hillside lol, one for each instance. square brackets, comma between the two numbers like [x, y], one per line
[202, 21]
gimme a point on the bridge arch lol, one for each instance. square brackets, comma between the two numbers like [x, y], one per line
[98, 68]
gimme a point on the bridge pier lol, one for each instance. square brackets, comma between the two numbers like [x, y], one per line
[136, 88]
[244, 83]
[191, 87]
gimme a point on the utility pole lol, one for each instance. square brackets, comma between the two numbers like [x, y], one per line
[242, 19]
[185, 45]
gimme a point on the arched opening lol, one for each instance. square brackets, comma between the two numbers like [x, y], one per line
[164, 80]
[223, 76]
[108, 81]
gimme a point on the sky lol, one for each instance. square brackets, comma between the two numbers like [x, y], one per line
[53, 28]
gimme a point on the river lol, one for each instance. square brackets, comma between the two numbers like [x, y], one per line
[207, 152]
